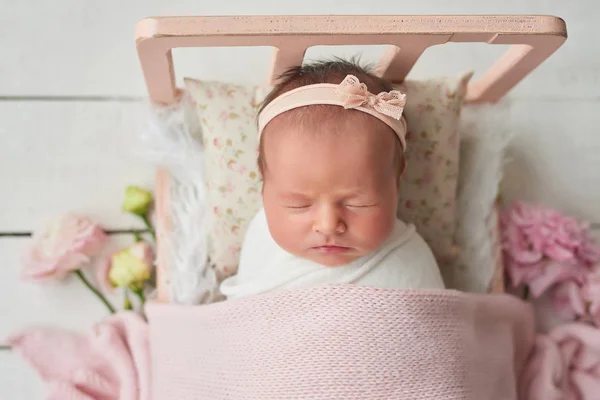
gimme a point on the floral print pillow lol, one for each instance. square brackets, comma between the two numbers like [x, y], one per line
[427, 191]
[227, 117]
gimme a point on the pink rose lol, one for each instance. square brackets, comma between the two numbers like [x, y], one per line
[542, 247]
[63, 246]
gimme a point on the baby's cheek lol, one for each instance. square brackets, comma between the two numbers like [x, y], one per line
[376, 229]
[283, 230]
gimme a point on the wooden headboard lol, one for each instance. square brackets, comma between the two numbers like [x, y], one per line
[533, 39]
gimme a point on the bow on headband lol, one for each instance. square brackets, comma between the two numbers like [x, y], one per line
[356, 94]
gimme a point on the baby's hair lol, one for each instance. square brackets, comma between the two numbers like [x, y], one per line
[327, 71]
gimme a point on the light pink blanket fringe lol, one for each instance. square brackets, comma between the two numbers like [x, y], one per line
[332, 342]
[110, 362]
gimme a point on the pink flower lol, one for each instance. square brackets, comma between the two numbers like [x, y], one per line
[427, 176]
[102, 275]
[567, 300]
[543, 247]
[63, 246]
[231, 164]
[591, 295]
[589, 252]
[549, 273]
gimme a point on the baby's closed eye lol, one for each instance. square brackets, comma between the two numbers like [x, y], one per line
[361, 205]
[296, 207]
[304, 202]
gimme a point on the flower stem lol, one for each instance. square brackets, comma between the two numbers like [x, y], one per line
[149, 226]
[140, 294]
[94, 290]
[127, 303]
[137, 237]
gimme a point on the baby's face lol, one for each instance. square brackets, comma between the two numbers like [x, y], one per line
[331, 196]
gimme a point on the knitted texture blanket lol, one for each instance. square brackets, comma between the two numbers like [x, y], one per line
[342, 342]
[329, 342]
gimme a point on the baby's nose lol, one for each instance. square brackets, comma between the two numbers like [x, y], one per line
[328, 222]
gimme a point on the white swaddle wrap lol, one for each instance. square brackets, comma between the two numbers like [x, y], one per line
[403, 261]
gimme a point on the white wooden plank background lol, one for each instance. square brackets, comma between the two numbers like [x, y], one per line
[555, 156]
[69, 155]
[71, 47]
[71, 99]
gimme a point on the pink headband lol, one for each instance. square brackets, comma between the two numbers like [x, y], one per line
[351, 93]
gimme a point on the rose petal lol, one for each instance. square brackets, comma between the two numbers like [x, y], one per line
[558, 253]
[521, 273]
[567, 300]
[549, 275]
[527, 257]
[35, 271]
[102, 272]
[64, 245]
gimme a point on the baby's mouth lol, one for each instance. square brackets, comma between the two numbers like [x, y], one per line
[329, 249]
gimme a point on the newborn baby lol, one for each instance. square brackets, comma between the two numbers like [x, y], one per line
[332, 138]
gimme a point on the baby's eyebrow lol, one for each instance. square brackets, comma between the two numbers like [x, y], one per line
[294, 195]
[359, 191]
[346, 194]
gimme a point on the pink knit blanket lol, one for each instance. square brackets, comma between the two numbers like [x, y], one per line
[342, 342]
[330, 342]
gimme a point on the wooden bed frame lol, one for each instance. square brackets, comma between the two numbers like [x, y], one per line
[533, 40]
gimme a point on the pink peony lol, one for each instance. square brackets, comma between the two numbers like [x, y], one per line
[63, 246]
[549, 273]
[543, 247]
[591, 294]
[567, 300]
[589, 252]
[580, 301]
